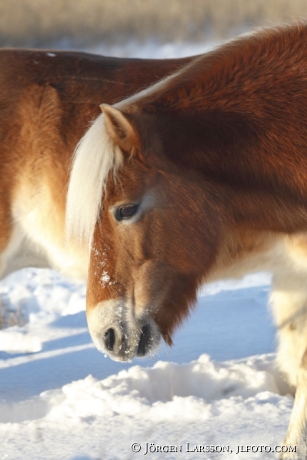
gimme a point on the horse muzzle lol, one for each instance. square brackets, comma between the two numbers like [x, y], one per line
[118, 333]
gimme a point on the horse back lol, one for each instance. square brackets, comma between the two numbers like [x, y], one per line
[65, 88]
[47, 101]
[83, 77]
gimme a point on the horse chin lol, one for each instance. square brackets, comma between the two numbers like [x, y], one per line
[116, 332]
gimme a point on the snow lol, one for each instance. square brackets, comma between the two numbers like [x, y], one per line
[61, 399]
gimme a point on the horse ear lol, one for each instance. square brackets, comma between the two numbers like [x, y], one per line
[119, 128]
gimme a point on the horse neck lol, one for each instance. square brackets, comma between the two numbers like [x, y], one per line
[261, 181]
[239, 120]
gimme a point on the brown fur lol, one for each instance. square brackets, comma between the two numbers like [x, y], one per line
[215, 155]
[220, 150]
[47, 102]
[226, 140]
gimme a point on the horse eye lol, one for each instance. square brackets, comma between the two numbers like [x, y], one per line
[125, 212]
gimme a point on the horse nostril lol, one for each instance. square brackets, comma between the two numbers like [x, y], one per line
[145, 339]
[109, 338]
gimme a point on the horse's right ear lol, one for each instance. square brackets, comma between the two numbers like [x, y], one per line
[119, 128]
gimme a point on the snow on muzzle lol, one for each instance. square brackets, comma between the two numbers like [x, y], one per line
[117, 331]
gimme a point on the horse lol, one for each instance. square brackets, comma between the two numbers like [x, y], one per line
[47, 103]
[198, 177]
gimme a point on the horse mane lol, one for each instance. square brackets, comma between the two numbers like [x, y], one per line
[94, 159]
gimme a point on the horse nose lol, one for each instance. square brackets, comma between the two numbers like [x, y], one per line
[120, 346]
[109, 338]
[144, 342]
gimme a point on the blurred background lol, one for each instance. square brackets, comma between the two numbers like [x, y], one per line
[86, 23]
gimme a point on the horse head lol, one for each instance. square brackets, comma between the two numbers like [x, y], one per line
[152, 226]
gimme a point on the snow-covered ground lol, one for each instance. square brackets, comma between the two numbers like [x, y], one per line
[61, 399]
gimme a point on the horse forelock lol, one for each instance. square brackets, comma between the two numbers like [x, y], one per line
[95, 158]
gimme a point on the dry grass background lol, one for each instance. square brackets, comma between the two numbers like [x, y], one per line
[75, 23]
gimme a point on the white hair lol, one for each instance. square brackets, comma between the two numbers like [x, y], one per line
[94, 159]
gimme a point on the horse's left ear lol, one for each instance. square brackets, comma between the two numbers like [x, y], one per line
[119, 128]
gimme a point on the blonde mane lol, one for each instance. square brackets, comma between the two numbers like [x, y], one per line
[94, 159]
